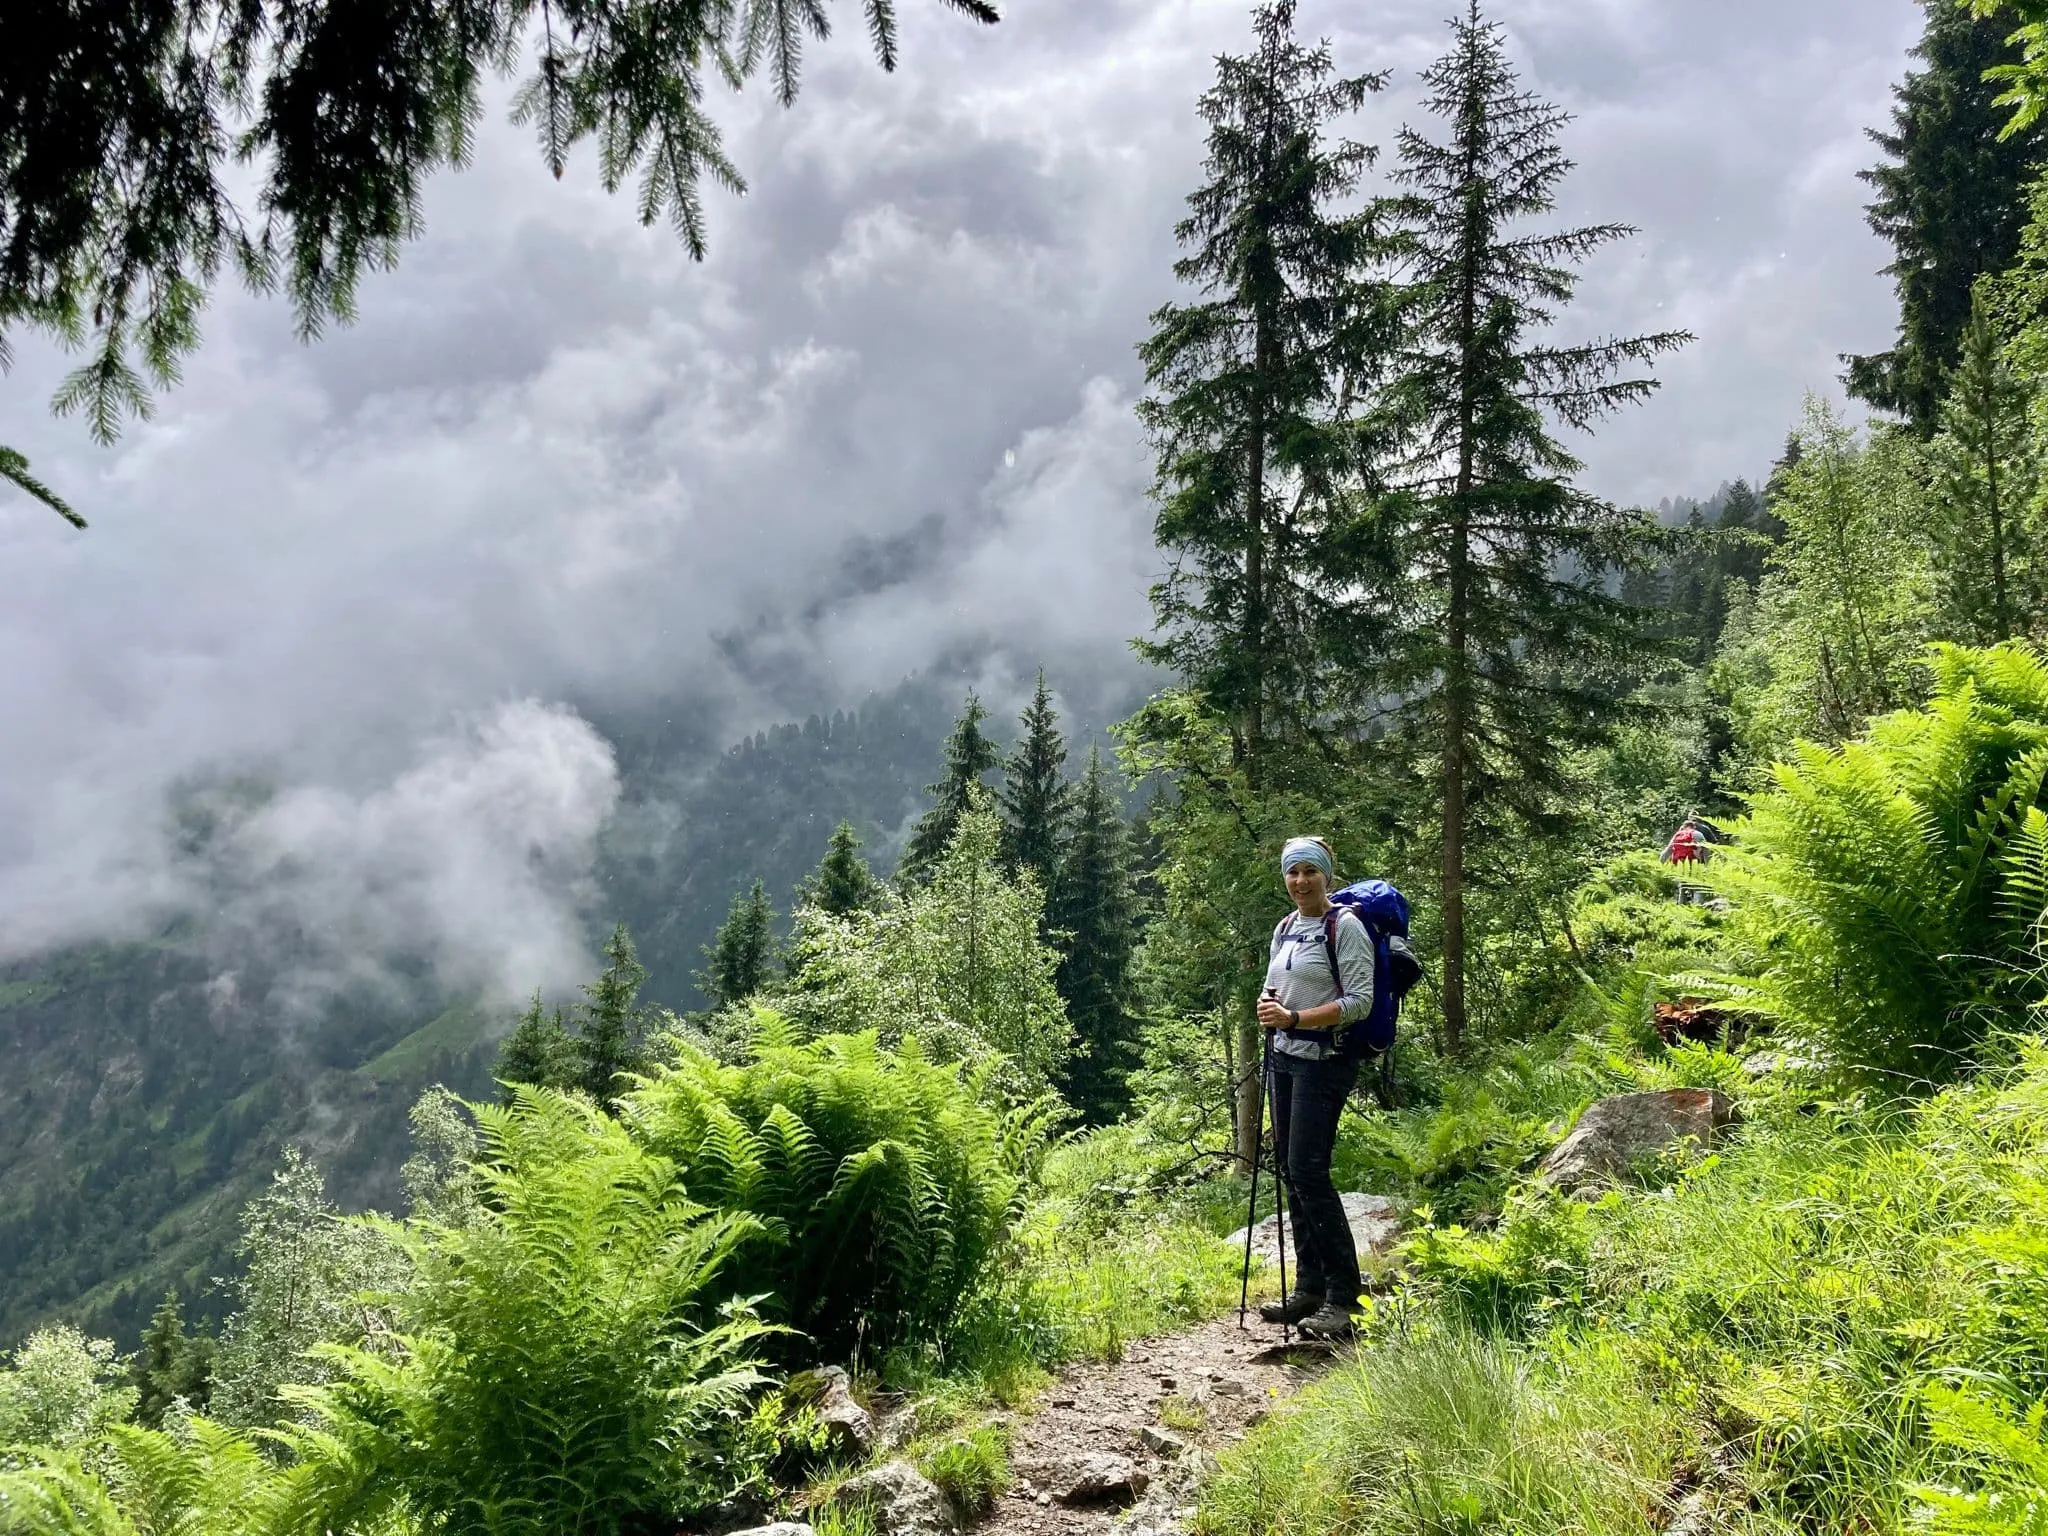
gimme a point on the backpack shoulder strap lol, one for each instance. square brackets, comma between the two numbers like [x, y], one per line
[1330, 920]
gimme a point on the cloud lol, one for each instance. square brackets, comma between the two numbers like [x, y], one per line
[886, 425]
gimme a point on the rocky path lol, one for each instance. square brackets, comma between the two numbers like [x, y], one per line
[1122, 1446]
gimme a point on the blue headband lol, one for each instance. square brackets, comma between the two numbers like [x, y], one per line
[1308, 850]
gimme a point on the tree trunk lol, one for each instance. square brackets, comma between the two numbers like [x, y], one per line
[2001, 613]
[1456, 725]
[1457, 574]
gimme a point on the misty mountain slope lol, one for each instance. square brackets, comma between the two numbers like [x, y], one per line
[691, 831]
[148, 1092]
[152, 1085]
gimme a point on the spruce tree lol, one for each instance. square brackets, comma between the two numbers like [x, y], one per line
[842, 884]
[1249, 386]
[1496, 637]
[1986, 473]
[1950, 201]
[539, 1052]
[1035, 798]
[739, 958]
[1093, 914]
[172, 1364]
[610, 1040]
[970, 755]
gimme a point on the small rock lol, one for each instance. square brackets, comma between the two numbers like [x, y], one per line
[901, 1499]
[1169, 1382]
[1044, 1500]
[829, 1392]
[1615, 1132]
[1094, 1478]
[1227, 1388]
[1061, 1402]
[779, 1528]
[1375, 1228]
[1161, 1442]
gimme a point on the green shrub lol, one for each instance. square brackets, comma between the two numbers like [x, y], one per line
[567, 1359]
[1534, 1261]
[1894, 886]
[972, 1469]
[885, 1184]
[60, 1390]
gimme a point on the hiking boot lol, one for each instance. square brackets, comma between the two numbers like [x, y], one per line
[1330, 1321]
[1292, 1310]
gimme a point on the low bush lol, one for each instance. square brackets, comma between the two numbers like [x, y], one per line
[886, 1185]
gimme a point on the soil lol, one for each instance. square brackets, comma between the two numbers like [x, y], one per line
[1226, 1378]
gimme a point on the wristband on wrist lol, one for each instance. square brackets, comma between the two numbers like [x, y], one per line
[1294, 1018]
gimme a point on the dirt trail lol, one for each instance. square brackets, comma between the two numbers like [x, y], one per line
[1214, 1382]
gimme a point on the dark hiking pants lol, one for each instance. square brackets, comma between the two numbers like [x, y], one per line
[1308, 1099]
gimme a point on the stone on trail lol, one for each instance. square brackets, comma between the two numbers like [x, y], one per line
[829, 1392]
[779, 1528]
[1093, 1477]
[1162, 1442]
[1615, 1133]
[901, 1500]
[1375, 1226]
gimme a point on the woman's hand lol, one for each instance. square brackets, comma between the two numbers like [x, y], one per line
[1272, 1015]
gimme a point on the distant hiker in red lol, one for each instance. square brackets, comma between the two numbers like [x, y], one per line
[1687, 850]
[1688, 845]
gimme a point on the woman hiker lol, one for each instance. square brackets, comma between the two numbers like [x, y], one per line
[1306, 1010]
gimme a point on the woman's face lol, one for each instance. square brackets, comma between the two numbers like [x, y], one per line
[1307, 886]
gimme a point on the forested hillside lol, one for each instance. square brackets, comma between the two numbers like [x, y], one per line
[877, 1180]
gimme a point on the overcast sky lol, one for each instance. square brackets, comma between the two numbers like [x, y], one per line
[888, 420]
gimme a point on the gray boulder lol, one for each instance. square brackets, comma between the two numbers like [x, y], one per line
[1615, 1133]
[829, 1392]
[1375, 1228]
[901, 1500]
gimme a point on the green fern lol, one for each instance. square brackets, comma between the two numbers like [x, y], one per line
[1894, 887]
[570, 1360]
[204, 1479]
[887, 1185]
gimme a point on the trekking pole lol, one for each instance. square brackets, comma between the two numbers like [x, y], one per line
[1258, 1149]
[1279, 1197]
[1251, 1218]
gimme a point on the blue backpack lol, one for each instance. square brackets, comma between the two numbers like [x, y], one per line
[1395, 970]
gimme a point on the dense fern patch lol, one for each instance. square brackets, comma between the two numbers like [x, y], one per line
[886, 1184]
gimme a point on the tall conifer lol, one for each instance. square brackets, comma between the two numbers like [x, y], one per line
[171, 1366]
[610, 1042]
[1036, 801]
[1249, 384]
[1093, 914]
[739, 958]
[1950, 201]
[970, 756]
[842, 883]
[539, 1052]
[1986, 474]
[1494, 619]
